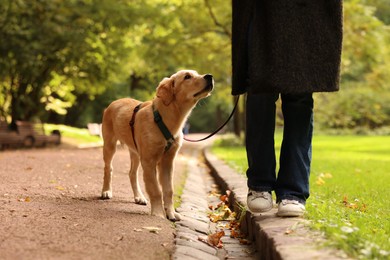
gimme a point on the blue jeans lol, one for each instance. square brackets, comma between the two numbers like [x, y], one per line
[292, 181]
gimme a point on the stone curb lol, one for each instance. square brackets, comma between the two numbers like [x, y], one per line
[275, 237]
[196, 224]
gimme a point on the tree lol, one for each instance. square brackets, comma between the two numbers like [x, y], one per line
[364, 99]
[55, 50]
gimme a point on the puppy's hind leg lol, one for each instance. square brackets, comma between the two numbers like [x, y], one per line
[109, 149]
[139, 198]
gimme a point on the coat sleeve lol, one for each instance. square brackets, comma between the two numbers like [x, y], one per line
[242, 13]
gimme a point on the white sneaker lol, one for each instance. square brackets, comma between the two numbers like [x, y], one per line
[259, 201]
[290, 208]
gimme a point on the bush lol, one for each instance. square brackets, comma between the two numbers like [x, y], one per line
[353, 108]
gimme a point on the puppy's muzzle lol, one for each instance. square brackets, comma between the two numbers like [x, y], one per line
[210, 82]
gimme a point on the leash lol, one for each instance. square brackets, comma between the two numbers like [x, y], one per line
[164, 130]
[219, 128]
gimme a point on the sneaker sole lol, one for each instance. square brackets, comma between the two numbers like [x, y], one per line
[290, 214]
[261, 210]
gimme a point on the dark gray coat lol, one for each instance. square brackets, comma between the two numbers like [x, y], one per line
[286, 46]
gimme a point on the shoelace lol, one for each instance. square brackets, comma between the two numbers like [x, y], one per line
[285, 202]
[259, 194]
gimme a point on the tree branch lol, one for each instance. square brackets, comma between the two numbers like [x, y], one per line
[216, 22]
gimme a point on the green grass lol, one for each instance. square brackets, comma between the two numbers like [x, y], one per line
[350, 184]
[72, 134]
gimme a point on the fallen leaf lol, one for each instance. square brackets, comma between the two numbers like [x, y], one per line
[320, 181]
[60, 188]
[328, 175]
[223, 198]
[244, 241]
[215, 239]
[236, 234]
[354, 205]
[234, 224]
[152, 229]
[26, 199]
[345, 200]
[137, 230]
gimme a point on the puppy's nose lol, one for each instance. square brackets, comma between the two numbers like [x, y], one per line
[208, 78]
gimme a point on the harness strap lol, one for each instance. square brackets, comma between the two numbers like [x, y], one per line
[132, 121]
[164, 130]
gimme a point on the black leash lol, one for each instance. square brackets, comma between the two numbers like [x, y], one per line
[219, 128]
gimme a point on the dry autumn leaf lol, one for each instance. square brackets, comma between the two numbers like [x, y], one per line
[152, 229]
[223, 198]
[236, 234]
[354, 205]
[244, 241]
[215, 239]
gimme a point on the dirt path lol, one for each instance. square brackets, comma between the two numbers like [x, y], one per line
[50, 209]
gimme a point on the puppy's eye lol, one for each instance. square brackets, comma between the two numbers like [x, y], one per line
[188, 76]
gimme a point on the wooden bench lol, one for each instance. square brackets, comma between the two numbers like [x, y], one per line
[9, 138]
[95, 129]
[33, 134]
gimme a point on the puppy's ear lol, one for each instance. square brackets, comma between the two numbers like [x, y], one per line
[165, 91]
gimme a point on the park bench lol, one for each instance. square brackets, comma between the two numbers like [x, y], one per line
[33, 134]
[95, 129]
[9, 138]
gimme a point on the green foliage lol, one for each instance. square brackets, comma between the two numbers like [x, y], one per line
[382, 9]
[56, 50]
[229, 140]
[363, 102]
[349, 182]
[65, 61]
[353, 108]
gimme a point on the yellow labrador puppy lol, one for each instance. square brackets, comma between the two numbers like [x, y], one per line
[152, 131]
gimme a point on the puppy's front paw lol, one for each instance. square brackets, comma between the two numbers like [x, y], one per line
[106, 195]
[140, 201]
[174, 216]
[178, 216]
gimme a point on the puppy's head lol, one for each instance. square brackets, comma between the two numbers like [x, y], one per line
[185, 86]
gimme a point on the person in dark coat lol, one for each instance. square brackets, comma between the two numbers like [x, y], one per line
[292, 49]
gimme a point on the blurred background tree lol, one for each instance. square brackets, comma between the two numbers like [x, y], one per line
[363, 103]
[65, 61]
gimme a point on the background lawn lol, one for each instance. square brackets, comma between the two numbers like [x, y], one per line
[73, 135]
[350, 184]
